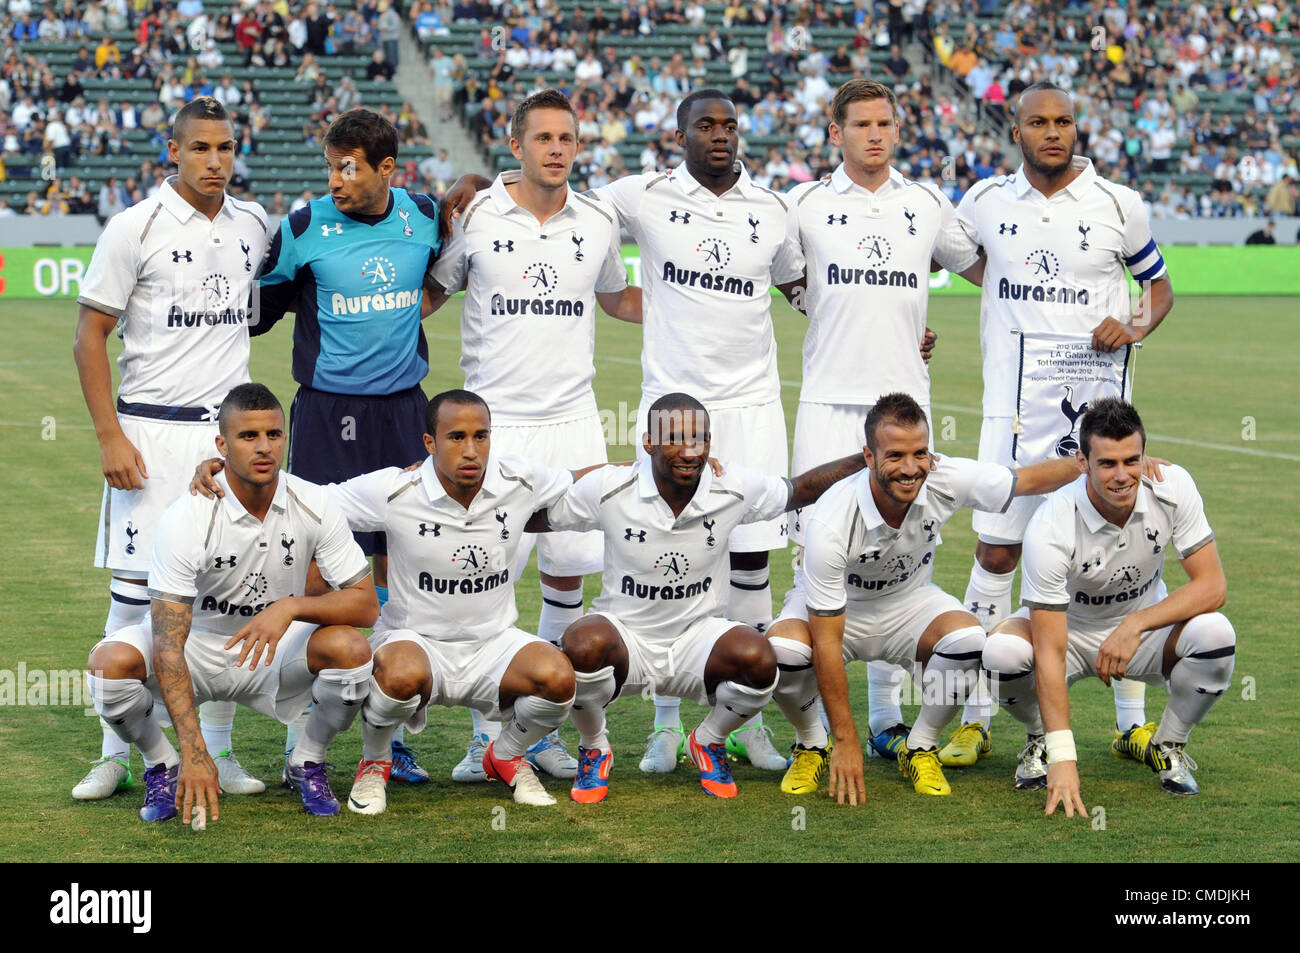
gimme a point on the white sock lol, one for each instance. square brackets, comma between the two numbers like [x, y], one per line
[796, 691]
[988, 595]
[884, 691]
[946, 681]
[532, 720]
[595, 691]
[337, 695]
[294, 730]
[734, 704]
[1207, 650]
[668, 712]
[979, 707]
[380, 714]
[129, 708]
[560, 609]
[484, 726]
[399, 736]
[1009, 660]
[750, 598]
[216, 719]
[128, 603]
[1130, 703]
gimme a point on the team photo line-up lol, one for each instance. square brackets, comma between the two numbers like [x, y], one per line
[234, 582]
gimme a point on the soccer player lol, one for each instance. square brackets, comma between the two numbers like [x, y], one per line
[1053, 232]
[175, 274]
[1095, 602]
[447, 634]
[225, 584]
[869, 236]
[659, 622]
[536, 257]
[866, 593]
[352, 265]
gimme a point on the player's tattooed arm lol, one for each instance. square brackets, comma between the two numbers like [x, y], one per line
[1156, 301]
[827, 634]
[123, 465]
[457, 200]
[810, 485]
[198, 783]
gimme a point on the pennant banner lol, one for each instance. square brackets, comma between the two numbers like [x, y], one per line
[1060, 375]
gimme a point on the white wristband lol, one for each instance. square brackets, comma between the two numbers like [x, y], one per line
[1060, 746]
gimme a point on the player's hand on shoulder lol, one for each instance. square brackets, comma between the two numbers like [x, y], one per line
[1063, 789]
[1111, 335]
[1152, 468]
[716, 466]
[846, 775]
[124, 467]
[457, 199]
[204, 482]
[262, 634]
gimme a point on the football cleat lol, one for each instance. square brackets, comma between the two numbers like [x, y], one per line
[517, 774]
[470, 768]
[889, 742]
[370, 789]
[662, 749]
[1174, 765]
[312, 784]
[1133, 743]
[921, 767]
[160, 793]
[105, 778]
[591, 783]
[234, 778]
[715, 774]
[968, 744]
[1031, 766]
[808, 768]
[551, 756]
[405, 769]
[754, 744]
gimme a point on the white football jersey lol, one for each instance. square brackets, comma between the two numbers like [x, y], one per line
[1097, 572]
[528, 322]
[181, 287]
[868, 259]
[450, 569]
[217, 557]
[1053, 264]
[708, 264]
[664, 572]
[852, 556]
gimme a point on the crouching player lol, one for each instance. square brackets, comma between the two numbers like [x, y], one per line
[225, 586]
[864, 594]
[1094, 602]
[659, 622]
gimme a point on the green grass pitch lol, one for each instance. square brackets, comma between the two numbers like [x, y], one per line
[1217, 385]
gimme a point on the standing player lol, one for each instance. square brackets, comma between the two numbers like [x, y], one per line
[1053, 231]
[226, 583]
[869, 236]
[866, 593]
[1095, 603]
[660, 619]
[535, 257]
[352, 265]
[175, 273]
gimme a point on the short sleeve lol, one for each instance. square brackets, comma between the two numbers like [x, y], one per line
[788, 265]
[177, 554]
[624, 196]
[114, 267]
[966, 219]
[954, 248]
[363, 500]
[549, 485]
[452, 266]
[825, 561]
[1045, 566]
[277, 281]
[613, 273]
[982, 486]
[340, 559]
[1191, 528]
[579, 507]
[281, 262]
[1141, 253]
[766, 497]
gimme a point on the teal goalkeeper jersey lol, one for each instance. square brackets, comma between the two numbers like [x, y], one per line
[356, 283]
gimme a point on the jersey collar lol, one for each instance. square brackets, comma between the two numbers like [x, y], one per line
[841, 182]
[493, 484]
[1087, 174]
[182, 210]
[506, 203]
[744, 187]
[1093, 519]
[867, 503]
[647, 490]
[235, 510]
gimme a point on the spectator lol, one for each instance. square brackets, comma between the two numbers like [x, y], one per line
[379, 69]
[1262, 236]
[107, 53]
[389, 30]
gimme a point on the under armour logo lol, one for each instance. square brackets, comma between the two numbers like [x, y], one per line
[708, 528]
[1084, 230]
[785, 530]
[873, 556]
[676, 216]
[1089, 565]
[508, 246]
[178, 255]
[1152, 536]
[837, 220]
[1004, 228]
[435, 529]
[909, 215]
[243, 246]
[753, 225]
[501, 518]
[988, 610]
[405, 216]
[131, 533]
[337, 228]
[577, 252]
[629, 535]
[225, 561]
[287, 543]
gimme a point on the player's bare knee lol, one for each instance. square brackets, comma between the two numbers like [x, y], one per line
[117, 660]
[996, 557]
[553, 676]
[588, 643]
[401, 671]
[337, 646]
[751, 656]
